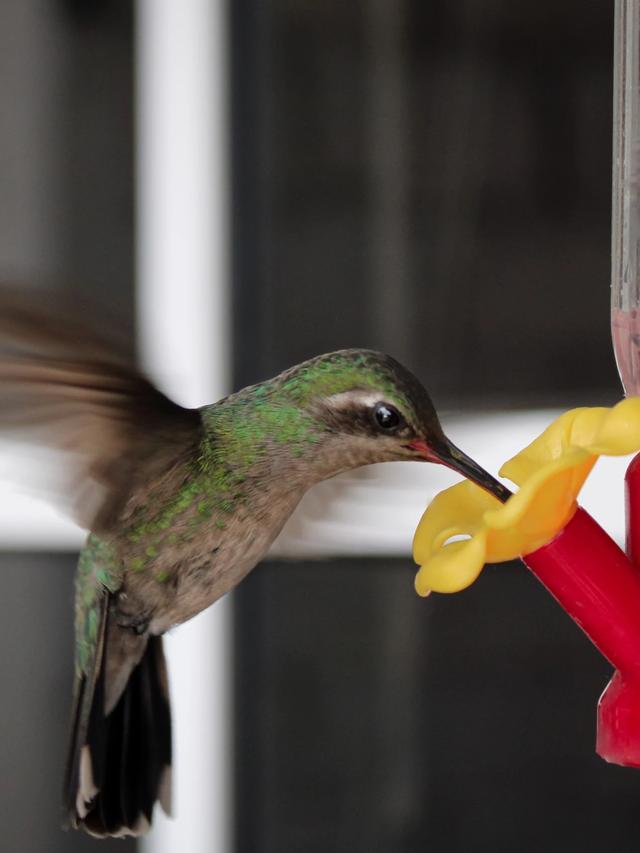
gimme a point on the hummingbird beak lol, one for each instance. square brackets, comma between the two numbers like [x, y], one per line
[442, 451]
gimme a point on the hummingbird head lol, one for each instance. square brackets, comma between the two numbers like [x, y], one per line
[372, 409]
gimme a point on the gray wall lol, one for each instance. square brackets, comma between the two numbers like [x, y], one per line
[66, 147]
[66, 219]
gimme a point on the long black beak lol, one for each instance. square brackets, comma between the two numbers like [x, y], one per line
[443, 451]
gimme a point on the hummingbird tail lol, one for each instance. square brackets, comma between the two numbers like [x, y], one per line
[119, 760]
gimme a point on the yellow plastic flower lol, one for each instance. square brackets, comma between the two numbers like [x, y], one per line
[550, 473]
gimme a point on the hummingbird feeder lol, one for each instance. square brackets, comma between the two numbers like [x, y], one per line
[589, 575]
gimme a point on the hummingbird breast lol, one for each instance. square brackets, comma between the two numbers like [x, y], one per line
[191, 536]
[195, 565]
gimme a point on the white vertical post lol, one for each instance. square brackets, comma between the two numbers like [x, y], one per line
[183, 322]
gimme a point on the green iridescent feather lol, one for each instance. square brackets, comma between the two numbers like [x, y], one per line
[99, 571]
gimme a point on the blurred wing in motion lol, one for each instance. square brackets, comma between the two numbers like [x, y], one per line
[63, 385]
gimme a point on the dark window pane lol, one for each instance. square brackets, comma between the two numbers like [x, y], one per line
[369, 720]
[432, 179]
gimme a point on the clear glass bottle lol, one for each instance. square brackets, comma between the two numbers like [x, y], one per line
[625, 235]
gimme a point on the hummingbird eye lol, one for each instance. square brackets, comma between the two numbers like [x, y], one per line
[387, 417]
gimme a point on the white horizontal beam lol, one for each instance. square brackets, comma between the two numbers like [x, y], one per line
[371, 512]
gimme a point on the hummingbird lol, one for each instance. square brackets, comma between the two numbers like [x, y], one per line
[180, 504]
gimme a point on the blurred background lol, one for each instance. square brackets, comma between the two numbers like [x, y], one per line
[247, 185]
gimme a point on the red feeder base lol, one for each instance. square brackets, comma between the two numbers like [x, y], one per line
[597, 584]
[618, 739]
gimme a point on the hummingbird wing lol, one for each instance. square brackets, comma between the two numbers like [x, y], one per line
[65, 385]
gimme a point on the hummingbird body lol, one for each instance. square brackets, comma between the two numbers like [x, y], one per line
[181, 505]
[190, 535]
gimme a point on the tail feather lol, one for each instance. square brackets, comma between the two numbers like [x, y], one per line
[119, 763]
[88, 693]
